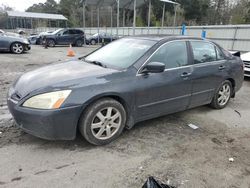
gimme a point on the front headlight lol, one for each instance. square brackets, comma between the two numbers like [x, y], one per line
[52, 100]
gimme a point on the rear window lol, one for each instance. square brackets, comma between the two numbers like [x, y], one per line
[203, 52]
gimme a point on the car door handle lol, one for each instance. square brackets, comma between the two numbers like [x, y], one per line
[222, 67]
[185, 74]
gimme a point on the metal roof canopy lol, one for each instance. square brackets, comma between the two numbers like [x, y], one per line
[163, 11]
[127, 4]
[36, 15]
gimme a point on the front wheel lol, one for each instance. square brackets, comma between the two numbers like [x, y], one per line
[50, 42]
[17, 48]
[103, 121]
[79, 43]
[222, 95]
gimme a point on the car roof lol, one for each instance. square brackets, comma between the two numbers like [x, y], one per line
[165, 37]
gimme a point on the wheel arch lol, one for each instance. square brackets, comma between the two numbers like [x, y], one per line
[115, 96]
[13, 42]
[51, 38]
[233, 86]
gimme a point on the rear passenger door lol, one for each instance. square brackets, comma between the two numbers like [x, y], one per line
[209, 70]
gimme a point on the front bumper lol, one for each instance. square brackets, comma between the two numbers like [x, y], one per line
[59, 124]
[27, 47]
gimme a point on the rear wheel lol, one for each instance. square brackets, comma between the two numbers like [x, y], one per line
[17, 48]
[103, 121]
[222, 95]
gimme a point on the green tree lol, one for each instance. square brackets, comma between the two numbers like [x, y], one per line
[50, 6]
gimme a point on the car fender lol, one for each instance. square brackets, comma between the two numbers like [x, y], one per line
[116, 96]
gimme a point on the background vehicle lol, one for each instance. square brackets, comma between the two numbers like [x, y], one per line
[64, 37]
[127, 81]
[34, 39]
[13, 43]
[105, 37]
[246, 59]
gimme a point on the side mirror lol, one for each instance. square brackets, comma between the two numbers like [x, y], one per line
[153, 67]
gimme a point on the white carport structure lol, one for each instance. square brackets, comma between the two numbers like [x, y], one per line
[163, 11]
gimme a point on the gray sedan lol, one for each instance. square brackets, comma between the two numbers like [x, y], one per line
[13, 43]
[125, 82]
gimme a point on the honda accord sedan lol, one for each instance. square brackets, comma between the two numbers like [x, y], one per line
[125, 82]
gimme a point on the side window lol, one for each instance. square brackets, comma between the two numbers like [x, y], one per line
[173, 54]
[72, 32]
[203, 52]
[220, 55]
[66, 32]
[79, 32]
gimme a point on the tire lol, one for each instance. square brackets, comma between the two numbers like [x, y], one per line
[50, 42]
[79, 43]
[93, 42]
[222, 95]
[100, 128]
[17, 48]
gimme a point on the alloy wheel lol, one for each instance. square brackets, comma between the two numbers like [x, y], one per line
[106, 123]
[17, 48]
[224, 94]
[93, 42]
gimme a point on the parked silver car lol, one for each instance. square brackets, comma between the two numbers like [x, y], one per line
[13, 43]
[246, 59]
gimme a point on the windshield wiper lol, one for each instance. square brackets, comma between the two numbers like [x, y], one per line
[96, 63]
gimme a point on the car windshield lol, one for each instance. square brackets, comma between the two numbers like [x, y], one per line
[121, 53]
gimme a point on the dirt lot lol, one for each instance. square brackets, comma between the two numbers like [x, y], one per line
[164, 147]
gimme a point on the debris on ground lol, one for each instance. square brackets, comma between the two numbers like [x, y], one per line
[152, 183]
[231, 159]
[193, 126]
[238, 112]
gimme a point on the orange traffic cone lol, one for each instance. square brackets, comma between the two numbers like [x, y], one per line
[70, 53]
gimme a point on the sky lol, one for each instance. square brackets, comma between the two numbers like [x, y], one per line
[21, 5]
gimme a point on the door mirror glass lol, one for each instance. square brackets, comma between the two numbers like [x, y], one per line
[153, 67]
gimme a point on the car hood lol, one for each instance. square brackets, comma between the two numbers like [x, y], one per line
[245, 57]
[59, 75]
[15, 37]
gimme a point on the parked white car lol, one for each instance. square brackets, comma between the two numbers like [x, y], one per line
[246, 59]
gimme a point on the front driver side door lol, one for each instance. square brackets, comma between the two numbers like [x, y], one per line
[64, 37]
[167, 92]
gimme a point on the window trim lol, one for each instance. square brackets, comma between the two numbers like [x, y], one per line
[138, 73]
[215, 47]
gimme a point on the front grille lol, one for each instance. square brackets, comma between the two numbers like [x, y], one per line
[247, 64]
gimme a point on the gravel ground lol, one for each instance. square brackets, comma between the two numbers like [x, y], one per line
[164, 147]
